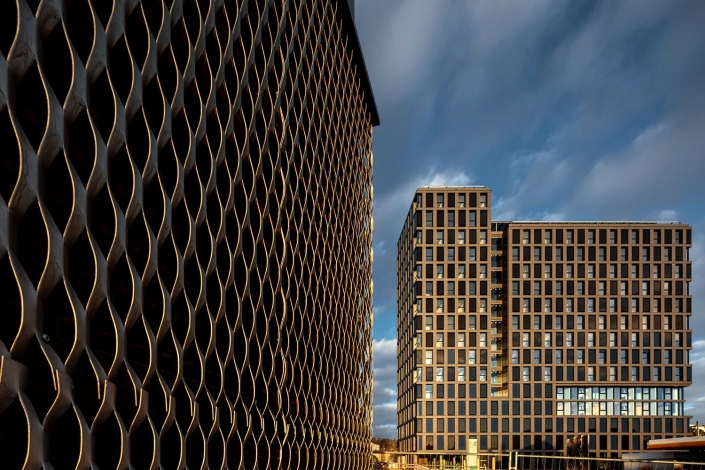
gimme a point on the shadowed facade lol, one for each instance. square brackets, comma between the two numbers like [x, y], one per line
[185, 235]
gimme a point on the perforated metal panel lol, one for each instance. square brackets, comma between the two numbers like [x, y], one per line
[185, 236]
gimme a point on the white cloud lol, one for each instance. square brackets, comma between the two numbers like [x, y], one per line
[385, 387]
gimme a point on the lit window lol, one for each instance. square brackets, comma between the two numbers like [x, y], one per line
[547, 307]
[613, 340]
[461, 374]
[591, 340]
[547, 271]
[439, 374]
[483, 200]
[461, 305]
[461, 340]
[461, 237]
[439, 237]
[429, 391]
[429, 322]
[429, 357]
[601, 322]
[525, 340]
[515, 356]
[591, 374]
[439, 305]
[439, 200]
[547, 339]
[591, 270]
[602, 287]
[461, 271]
[429, 218]
[472, 356]
[483, 340]
[483, 237]
[569, 305]
[569, 340]
[483, 374]
[525, 374]
[461, 200]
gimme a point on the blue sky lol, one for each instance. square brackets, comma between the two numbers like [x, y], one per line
[579, 110]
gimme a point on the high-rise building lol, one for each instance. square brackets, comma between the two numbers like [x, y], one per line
[522, 335]
[185, 235]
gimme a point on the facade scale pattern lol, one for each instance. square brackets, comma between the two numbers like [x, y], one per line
[185, 235]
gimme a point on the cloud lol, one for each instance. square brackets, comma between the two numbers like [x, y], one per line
[385, 388]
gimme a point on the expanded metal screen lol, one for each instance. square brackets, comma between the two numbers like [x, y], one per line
[185, 235]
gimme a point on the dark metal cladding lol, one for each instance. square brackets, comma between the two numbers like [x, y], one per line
[185, 235]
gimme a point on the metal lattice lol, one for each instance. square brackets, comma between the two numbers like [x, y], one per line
[185, 236]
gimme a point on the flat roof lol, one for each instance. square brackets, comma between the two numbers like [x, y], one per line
[589, 222]
[454, 187]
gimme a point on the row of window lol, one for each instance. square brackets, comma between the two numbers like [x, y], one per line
[589, 374]
[449, 199]
[447, 218]
[592, 236]
[594, 254]
[557, 322]
[593, 340]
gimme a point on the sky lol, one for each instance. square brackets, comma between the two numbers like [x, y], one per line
[579, 110]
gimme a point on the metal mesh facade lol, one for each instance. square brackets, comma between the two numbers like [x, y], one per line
[185, 235]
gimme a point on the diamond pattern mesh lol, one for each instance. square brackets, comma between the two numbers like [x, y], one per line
[185, 236]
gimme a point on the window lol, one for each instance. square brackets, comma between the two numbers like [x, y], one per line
[483, 237]
[657, 271]
[461, 237]
[613, 374]
[547, 306]
[569, 271]
[581, 287]
[451, 288]
[623, 288]
[613, 236]
[667, 254]
[472, 356]
[613, 271]
[472, 254]
[547, 339]
[591, 270]
[461, 271]
[461, 340]
[666, 322]
[461, 200]
[525, 271]
[622, 322]
[483, 200]
[451, 218]
[439, 305]
[601, 322]
[483, 305]
[471, 322]
[439, 270]
[537, 254]
[645, 254]
[547, 236]
[439, 374]
[559, 356]
[429, 391]
[581, 321]
[439, 200]
[451, 254]
[591, 237]
[483, 271]
[429, 254]
[429, 357]
[439, 237]
[569, 305]
[526, 374]
[537, 356]
[623, 254]
[483, 340]
[613, 340]
[429, 288]
[439, 340]
[559, 322]
[591, 374]
[525, 340]
[591, 305]
[525, 306]
[677, 273]
[451, 322]
[429, 322]
[461, 374]
[559, 253]
[602, 254]
[515, 356]
[537, 287]
[547, 271]
[559, 287]
[591, 340]
[461, 305]
[601, 287]
[483, 374]
[569, 236]
[515, 287]
[569, 340]
[635, 236]
[473, 218]
[581, 254]
[515, 253]
[635, 339]
[429, 218]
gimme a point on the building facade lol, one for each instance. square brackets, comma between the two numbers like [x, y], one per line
[524, 334]
[185, 235]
